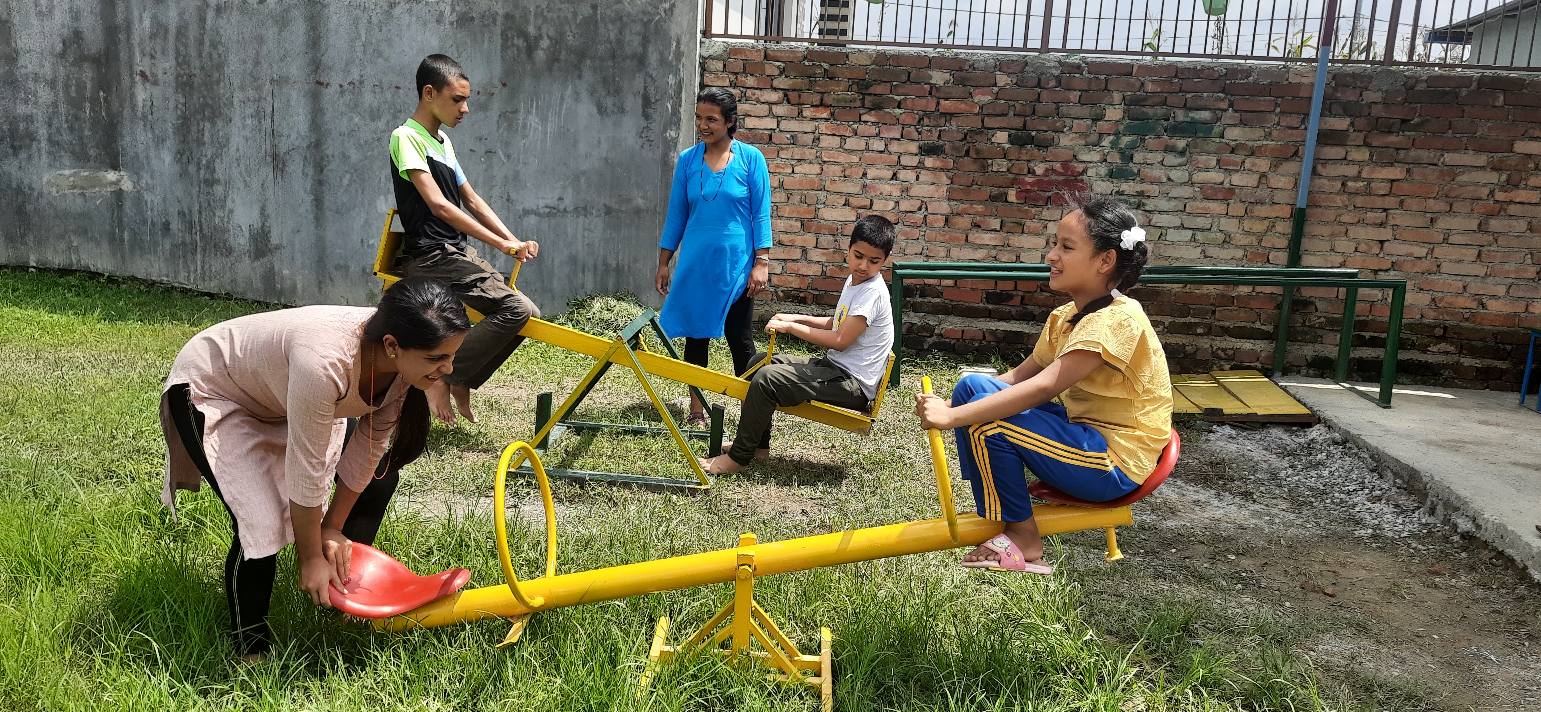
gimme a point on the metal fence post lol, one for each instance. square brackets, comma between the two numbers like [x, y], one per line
[1048, 18]
[1391, 31]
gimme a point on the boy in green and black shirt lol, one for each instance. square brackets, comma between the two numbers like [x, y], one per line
[438, 210]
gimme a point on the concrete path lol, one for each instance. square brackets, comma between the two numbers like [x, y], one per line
[1475, 456]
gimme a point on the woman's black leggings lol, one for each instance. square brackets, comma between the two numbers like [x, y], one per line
[249, 582]
[737, 328]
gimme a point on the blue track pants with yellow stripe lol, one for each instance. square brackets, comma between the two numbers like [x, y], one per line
[997, 456]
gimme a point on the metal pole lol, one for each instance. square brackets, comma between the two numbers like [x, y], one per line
[1048, 17]
[896, 303]
[1530, 358]
[1388, 367]
[771, 558]
[1303, 189]
[1346, 332]
[1391, 31]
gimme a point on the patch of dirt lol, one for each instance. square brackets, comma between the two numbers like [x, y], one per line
[790, 503]
[1304, 521]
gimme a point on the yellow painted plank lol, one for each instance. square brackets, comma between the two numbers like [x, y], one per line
[1207, 393]
[681, 372]
[1263, 396]
[1181, 404]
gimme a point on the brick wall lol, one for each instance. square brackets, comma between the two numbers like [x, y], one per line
[1428, 176]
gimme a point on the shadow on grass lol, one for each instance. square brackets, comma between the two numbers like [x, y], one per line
[117, 299]
[794, 471]
[164, 617]
[172, 621]
[442, 439]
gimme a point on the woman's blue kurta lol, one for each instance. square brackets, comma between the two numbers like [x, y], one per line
[716, 222]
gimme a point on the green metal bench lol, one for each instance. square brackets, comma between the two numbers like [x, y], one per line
[1289, 278]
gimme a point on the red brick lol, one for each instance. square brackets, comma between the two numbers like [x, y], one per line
[785, 55]
[1456, 301]
[915, 61]
[1463, 268]
[1443, 81]
[1506, 305]
[1152, 69]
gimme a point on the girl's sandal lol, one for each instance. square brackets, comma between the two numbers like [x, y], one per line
[1008, 558]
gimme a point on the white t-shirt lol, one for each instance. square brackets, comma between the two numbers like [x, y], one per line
[868, 357]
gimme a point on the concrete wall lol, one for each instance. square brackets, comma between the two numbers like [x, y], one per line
[1510, 41]
[240, 147]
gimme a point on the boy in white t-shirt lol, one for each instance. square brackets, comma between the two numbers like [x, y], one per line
[859, 337]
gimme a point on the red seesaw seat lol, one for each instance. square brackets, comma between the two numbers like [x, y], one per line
[1164, 465]
[380, 586]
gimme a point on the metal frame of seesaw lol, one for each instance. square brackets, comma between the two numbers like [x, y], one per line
[741, 624]
[628, 348]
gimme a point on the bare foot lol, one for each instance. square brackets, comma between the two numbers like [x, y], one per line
[696, 419]
[762, 454]
[438, 403]
[462, 396]
[721, 465]
[1024, 534]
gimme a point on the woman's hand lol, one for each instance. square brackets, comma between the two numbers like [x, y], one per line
[316, 574]
[759, 276]
[777, 326]
[661, 279]
[337, 550]
[934, 412]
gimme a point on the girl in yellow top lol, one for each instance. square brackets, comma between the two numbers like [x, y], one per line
[1101, 357]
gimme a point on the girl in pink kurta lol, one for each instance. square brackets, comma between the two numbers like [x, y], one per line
[259, 407]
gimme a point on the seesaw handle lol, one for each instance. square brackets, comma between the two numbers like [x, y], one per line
[513, 274]
[943, 477]
[500, 515]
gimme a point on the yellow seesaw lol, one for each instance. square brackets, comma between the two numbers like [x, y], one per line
[628, 349]
[742, 623]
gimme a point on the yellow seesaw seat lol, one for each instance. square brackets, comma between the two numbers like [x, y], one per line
[656, 364]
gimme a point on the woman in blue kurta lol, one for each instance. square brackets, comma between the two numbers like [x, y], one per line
[719, 229]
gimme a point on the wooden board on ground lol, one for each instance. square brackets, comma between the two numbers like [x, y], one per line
[1235, 397]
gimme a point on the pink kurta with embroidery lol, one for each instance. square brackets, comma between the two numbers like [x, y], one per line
[275, 390]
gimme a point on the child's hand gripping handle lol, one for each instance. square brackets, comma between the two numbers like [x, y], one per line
[939, 464]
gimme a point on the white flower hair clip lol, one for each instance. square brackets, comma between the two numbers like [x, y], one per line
[1129, 238]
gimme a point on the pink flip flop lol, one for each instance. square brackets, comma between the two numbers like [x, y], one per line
[1008, 558]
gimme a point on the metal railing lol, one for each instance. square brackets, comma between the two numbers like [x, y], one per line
[1345, 279]
[1466, 33]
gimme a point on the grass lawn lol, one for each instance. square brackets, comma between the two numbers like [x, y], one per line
[107, 603]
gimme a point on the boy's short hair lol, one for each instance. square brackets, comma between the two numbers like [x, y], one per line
[875, 230]
[437, 71]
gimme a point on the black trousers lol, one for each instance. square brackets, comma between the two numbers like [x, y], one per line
[737, 329]
[249, 582]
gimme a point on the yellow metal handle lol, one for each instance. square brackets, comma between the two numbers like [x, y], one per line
[770, 351]
[500, 514]
[939, 464]
[513, 274]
